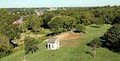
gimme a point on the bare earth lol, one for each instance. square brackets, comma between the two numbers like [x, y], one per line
[68, 36]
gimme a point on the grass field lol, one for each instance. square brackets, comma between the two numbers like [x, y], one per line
[73, 51]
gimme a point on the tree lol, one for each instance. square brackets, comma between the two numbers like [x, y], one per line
[56, 24]
[116, 20]
[47, 18]
[108, 17]
[23, 27]
[69, 22]
[87, 18]
[99, 21]
[61, 23]
[34, 23]
[5, 48]
[95, 43]
[112, 37]
[80, 28]
[6, 29]
[30, 45]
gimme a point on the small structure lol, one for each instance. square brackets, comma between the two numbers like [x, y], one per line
[39, 12]
[18, 21]
[53, 44]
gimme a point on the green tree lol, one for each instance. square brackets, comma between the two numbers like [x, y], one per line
[80, 28]
[56, 24]
[87, 18]
[46, 18]
[30, 45]
[95, 44]
[62, 23]
[5, 48]
[69, 22]
[34, 23]
[99, 21]
[23, 27]
[116, 20]
[112, 37]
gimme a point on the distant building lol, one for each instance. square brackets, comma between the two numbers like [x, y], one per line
[52, 9]
[56, 8]
[53, 44]
[39, 12]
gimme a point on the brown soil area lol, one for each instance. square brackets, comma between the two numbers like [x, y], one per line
[68, 36]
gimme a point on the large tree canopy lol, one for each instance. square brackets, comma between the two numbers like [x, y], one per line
[5, 47]
[46, 18]
[33, 23]
[116, 20]
[112, 36]
[61, 23]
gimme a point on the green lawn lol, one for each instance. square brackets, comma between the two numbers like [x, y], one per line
[73, 52]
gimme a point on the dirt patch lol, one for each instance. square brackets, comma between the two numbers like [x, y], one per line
[68, 36]
[66, 39]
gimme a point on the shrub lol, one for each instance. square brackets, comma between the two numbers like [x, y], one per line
[80, 28]
[95, 43]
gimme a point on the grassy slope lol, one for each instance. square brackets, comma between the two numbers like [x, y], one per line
[74, 51]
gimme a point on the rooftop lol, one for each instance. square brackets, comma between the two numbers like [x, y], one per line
[52, 40]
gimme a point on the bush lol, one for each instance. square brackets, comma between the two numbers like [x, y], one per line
[80, 28]
[95, 43]
[5, 48]
[4, 51]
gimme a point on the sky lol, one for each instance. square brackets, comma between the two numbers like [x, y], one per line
[55, 3]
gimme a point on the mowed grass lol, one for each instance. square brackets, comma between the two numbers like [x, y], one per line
[73, 51]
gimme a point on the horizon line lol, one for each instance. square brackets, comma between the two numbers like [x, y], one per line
[59, 6]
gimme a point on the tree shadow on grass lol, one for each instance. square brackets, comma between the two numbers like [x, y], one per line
[51, 34]
[116, 50]
[111, 48]
[95, 26]
[88, 52]
[79, 31]
[76, 31]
